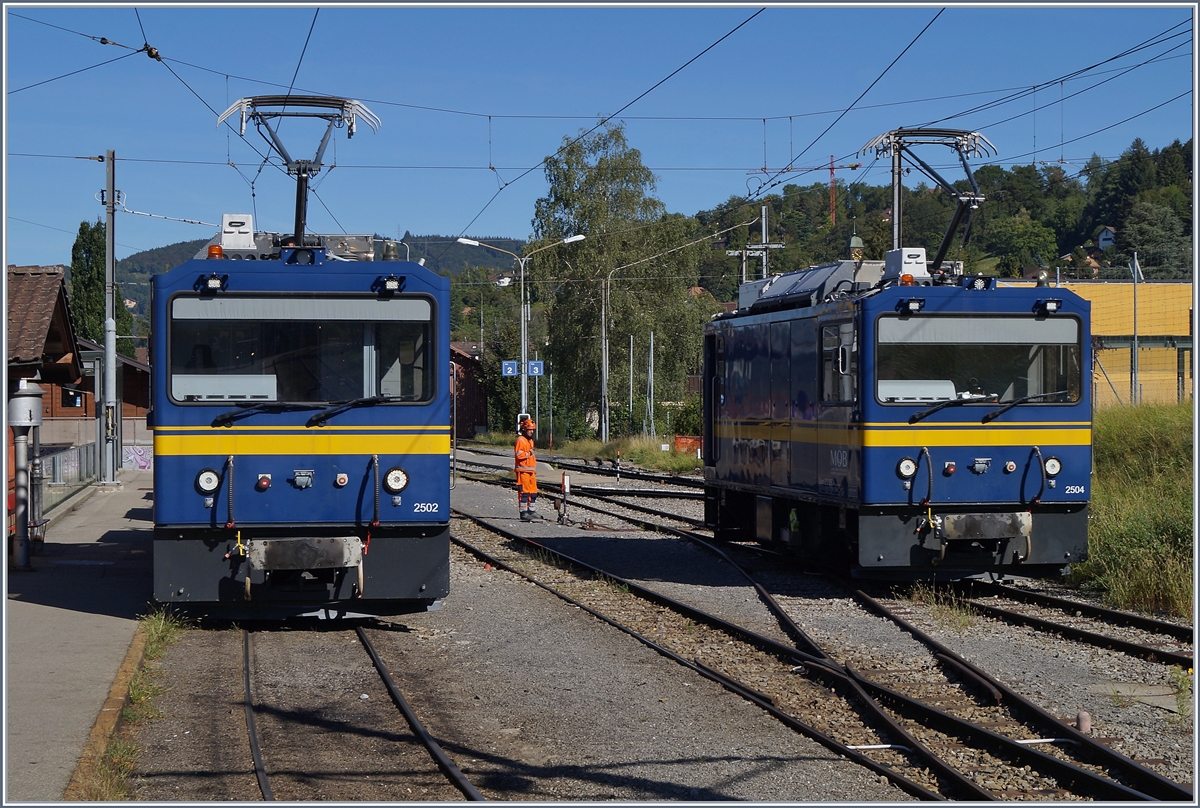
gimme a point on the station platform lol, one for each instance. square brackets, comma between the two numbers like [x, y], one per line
[69, 629]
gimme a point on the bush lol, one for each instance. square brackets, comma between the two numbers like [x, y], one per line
[687, 421]
[644, 452]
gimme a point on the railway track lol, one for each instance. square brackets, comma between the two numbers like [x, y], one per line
[613, 497]
[290, 723]
[1140, 636]
[1133, 634]
[915, 744]
[604, 468]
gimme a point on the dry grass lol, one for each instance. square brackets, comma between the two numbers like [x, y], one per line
[946, 608]
[109, 781]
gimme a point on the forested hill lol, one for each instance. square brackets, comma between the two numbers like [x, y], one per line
[134, 273]
[444, 255]
[1086, 222]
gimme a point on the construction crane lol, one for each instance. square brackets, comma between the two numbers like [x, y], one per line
[832, 184]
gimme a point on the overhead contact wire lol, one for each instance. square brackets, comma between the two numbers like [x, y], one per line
[773, 181]
[72, 73]
[607, 118]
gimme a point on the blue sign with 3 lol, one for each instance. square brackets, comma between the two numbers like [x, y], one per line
[537, 369]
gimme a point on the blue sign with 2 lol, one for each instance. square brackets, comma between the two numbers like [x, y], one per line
[508, 368]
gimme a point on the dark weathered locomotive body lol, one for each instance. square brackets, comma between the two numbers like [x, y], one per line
[900, 424]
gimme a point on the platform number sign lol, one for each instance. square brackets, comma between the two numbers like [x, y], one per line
[537, 369]
[508, 368]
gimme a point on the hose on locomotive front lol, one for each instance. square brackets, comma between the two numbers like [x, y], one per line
[375, 466]
[374, 524]
[1041, 468]
[929, 468]
[229, 489]
[1037, 450]
[927, 502]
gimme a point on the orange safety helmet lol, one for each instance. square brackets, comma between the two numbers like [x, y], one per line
[528, 424]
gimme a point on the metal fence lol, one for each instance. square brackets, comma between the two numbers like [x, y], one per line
[63, 472]
[1161, 375]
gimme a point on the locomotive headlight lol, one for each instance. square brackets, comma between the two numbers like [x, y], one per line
[1053, 466]
[395, 480]
[207, 481]
[906, 468]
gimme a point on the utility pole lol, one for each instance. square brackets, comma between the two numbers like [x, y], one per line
[832, 180]
[112, 425]
[1134, 383]
[761, 249]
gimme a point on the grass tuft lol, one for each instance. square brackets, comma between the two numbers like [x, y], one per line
[111, 781]
[162, 627]
[946, 608]
[1181, 680]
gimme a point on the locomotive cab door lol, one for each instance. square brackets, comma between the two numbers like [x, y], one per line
[837, 423]
[781, 409]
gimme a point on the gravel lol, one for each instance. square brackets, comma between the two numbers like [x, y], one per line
[537, 700]
[532, 698]
[1134, 702]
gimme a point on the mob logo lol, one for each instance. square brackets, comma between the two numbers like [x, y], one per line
[839, 458]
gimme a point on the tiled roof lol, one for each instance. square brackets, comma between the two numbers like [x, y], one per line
[470, 349]
[88, 345]
[32, 294]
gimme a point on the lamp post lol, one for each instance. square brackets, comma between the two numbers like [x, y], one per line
[604, 402]
[470, 242]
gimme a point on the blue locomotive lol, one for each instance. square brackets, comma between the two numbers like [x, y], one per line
[902, 420]
[301, 416]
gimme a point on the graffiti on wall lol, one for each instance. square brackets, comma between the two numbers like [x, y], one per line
[140, 458]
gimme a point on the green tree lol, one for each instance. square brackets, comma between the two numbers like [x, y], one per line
[1156, 235]
[87, 289]
[645, 257]
[1020, 241]
[1171, 166]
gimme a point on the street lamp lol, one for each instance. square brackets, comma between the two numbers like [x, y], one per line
[604, 402]
[470, 242]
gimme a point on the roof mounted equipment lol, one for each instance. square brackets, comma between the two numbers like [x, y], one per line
[966, 143]
[338, 112]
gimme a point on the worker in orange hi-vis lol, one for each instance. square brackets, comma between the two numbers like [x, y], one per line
[526, 471]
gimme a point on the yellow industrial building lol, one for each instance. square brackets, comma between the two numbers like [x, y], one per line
[1162, 326]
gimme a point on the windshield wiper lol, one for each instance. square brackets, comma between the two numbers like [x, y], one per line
[950, 402]
[262, 406]
[319, 418]
[1015, 402]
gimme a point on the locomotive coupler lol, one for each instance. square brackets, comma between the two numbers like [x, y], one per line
[931, 524]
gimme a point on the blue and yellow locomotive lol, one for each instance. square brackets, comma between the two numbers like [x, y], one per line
[897, 419]
[902, 423]
[301, 416]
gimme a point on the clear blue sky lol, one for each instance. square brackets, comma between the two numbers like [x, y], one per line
[460, 89]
